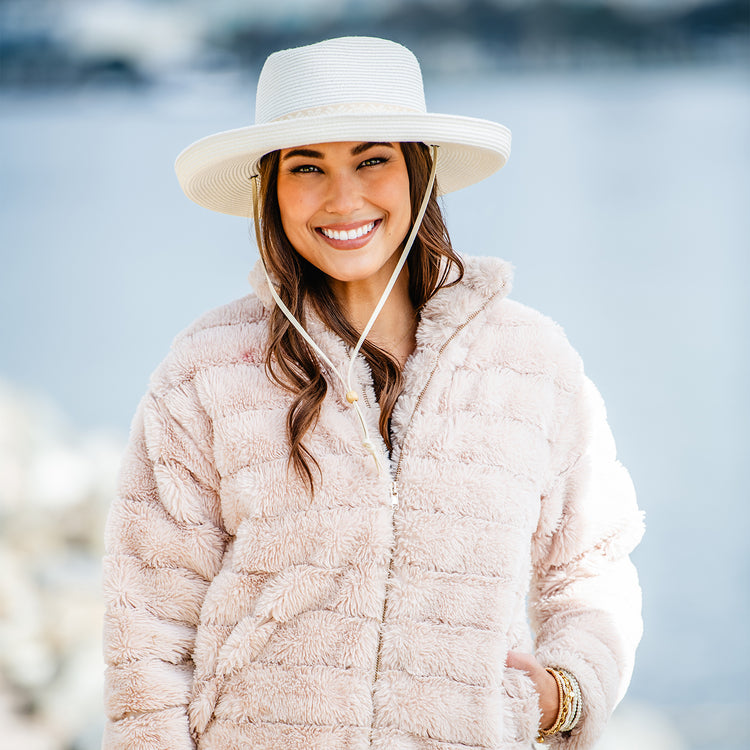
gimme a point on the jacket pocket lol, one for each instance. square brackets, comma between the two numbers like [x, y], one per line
[521, 712]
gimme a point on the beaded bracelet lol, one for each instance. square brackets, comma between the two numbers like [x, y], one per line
[575, 713]
[569, 694]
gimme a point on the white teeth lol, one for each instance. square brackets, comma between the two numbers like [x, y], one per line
[352, 234]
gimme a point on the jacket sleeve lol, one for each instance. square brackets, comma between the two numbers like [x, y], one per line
[164, 544]
[585, 601]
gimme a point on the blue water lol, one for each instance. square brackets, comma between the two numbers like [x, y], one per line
[624, 208]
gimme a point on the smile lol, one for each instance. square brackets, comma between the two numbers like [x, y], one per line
[351, 234]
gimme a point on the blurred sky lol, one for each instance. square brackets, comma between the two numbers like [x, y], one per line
[624, 208]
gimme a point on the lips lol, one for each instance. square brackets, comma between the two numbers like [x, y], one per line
[349, 234]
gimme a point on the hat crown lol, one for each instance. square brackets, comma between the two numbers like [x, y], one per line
[375, 74]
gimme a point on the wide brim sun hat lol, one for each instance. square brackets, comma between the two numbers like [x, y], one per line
[348, 89]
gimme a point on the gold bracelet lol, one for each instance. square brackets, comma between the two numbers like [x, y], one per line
[576, 699]
[570, 702]
[563, 710]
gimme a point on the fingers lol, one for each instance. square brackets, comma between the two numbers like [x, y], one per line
[544, 684]
[525, 662]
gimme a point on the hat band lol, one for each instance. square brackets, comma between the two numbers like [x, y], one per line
[348, 108]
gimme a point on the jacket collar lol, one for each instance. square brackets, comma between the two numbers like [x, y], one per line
[452, 306]
[483, 278]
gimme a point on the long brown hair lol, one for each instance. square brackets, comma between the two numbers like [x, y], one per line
[289, 360]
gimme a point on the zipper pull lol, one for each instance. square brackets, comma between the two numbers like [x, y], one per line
[394, 495]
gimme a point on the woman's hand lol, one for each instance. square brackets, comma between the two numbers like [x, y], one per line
[544, 682]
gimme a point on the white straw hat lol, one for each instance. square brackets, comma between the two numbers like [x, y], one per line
[347, 89]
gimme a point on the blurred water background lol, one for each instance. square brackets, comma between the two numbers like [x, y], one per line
[624, 208]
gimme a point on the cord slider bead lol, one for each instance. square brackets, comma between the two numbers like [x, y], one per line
[352, 396]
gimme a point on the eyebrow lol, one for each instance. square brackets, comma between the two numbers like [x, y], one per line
[366, 146]
[310, 153]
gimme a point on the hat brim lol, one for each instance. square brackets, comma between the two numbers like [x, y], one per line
[216, 171]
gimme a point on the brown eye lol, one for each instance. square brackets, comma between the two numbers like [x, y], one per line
[304, 169]
[374, 161]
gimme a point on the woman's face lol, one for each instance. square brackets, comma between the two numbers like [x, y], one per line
[345, 207]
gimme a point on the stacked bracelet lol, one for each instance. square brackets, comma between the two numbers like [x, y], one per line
[569, 693]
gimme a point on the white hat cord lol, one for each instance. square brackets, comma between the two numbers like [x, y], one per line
[346, 381]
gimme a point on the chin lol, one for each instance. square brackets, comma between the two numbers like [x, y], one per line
[358, 275]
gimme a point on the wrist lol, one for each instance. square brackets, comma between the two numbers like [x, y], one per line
[549, 701]
[569, 704]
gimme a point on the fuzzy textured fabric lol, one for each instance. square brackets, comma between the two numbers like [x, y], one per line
[243, 613]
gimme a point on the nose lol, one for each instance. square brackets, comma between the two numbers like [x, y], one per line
[344, 195]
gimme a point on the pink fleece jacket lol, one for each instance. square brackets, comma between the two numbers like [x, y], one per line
[242, 613]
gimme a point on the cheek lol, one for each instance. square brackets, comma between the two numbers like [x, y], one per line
[401, 206]
[391, 193]
[292, 211]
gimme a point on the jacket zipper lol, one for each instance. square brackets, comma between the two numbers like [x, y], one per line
[394, 492]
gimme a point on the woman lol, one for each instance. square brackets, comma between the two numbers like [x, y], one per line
[342, 492]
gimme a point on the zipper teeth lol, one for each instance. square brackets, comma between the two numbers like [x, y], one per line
[379, 652]
[382, 619]
[395, 479]
[364, 396]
